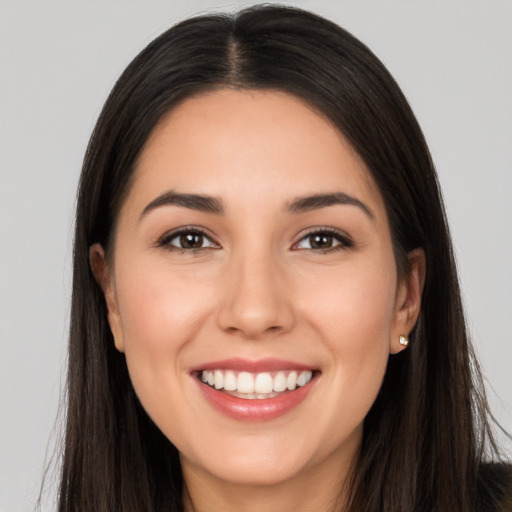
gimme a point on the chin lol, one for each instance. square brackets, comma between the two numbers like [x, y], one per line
[244, 471]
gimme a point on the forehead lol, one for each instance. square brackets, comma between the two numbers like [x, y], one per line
[250, 142]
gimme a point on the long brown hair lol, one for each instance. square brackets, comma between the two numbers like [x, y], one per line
[426, 436]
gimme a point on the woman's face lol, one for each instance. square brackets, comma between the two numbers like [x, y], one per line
[253, 251]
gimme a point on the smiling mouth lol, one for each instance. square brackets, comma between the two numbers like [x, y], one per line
[255, 386]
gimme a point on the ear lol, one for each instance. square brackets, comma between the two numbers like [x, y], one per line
[105, 280]
[408, 299]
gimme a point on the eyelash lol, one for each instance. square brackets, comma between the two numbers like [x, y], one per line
[344, 241]
[166, 240]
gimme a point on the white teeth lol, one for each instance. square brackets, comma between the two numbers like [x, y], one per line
[279, 382]
[230, 381]
[253, 396]
[218, 379]
[257, 385]
[263, 383]
[291, 381]
[304, 378]
[245, 383]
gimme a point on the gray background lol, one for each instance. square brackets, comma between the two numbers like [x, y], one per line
[59, 60]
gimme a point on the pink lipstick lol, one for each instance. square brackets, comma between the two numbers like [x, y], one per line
[254, 390]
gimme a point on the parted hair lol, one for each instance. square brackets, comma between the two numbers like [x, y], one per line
[428, 434]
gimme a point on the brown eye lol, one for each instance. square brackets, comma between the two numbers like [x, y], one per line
[324, 241]
[190, 240]
[321, 241]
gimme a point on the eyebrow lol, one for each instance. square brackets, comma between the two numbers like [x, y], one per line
[308, 203]
[197, 202]
[213, 205]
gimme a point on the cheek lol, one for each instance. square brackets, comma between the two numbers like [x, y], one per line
[355, 303]
[353, 312]
[155, 303]
[160, 314]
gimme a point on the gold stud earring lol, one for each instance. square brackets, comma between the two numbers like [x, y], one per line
[403, 340]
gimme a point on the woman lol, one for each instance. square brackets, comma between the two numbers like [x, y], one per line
[266, 313]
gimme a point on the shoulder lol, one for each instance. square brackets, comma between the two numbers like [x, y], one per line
[495, 487]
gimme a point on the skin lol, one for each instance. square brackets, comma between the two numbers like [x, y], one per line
[255, 290]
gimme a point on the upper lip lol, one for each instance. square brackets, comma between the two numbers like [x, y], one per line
[252, 366]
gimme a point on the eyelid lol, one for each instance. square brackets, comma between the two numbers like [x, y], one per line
[164, 240]
[345, 241]
[342, 237]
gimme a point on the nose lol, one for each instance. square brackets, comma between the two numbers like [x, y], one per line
[255, 302]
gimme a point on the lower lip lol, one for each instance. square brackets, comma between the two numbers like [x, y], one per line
[244, 409]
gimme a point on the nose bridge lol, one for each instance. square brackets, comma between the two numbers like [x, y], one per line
[255, 301]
